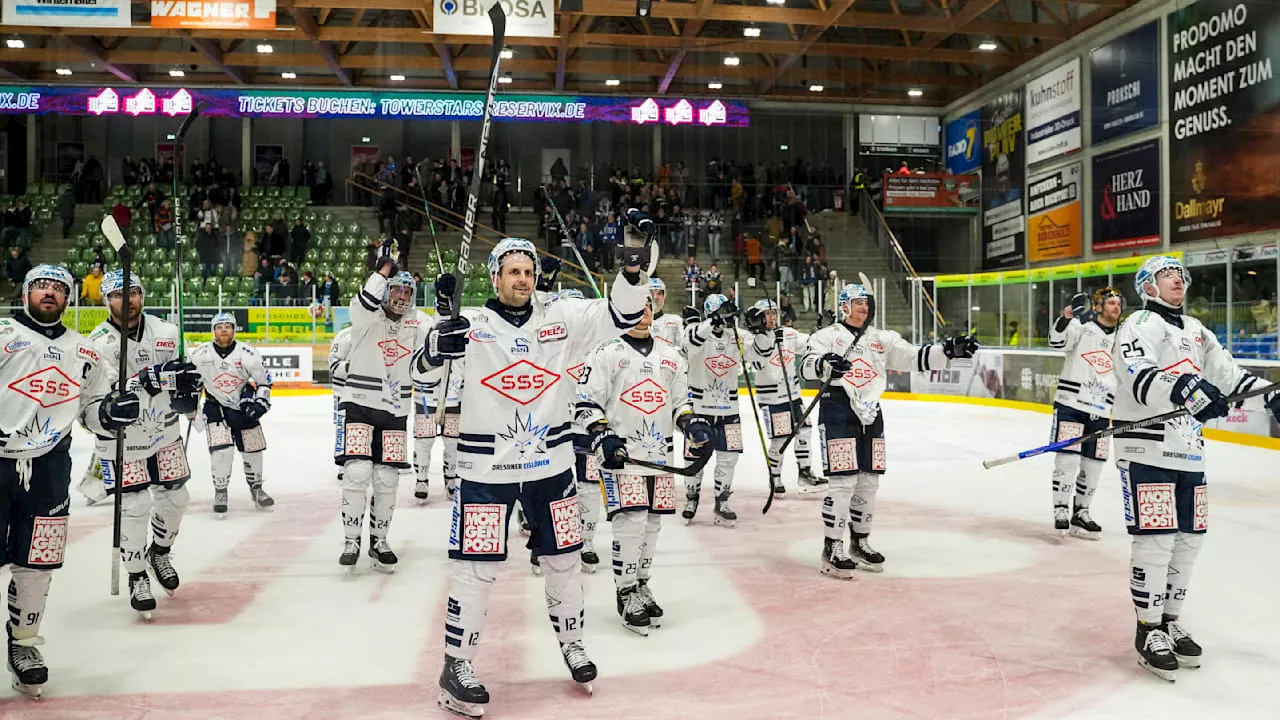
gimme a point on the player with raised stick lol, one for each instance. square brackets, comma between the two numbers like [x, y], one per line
[1171, 362]
[1082, 404]
[850, 421]
[516, 443]
[237, 394]
[713, 383]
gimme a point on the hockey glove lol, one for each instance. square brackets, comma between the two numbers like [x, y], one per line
[255, 407]
[1080, 307]
[447, 341]
[171, 376]
[697, 432]
[185, 403]
[632, 263]
[446, 286]
[612, 449]
[755, 320]
[550, 271]
[960, 346]
[386, 263]
[1204, 401]
[1272, 403]
[833, 365]
[691, 315]
[118, 410]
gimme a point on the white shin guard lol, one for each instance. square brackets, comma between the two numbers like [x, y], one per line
[220, 462]
[385, 481]
[1186, 546]
[166, 517]
[863, 504]
[628, 545]
[135, 512]
[725, 463]
[775, 455]
[563, 584]
[589, 509]
[28, 592]
[1149, 560]
[467, 606]
[839, 494]
[357, 475]
[252, 468]
[1087, 481]
[451, 462]
[652, 525]
[422, 457]
[1065, 465]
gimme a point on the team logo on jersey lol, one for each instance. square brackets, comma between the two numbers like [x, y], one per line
[86, 353]
[1099, 359]
[521, 382]
[48, 386]
[670, 364]
[553, 333]
[646, 396]
[1183, 366]
[860, 373]
[650, 441]
[481, 335]
[720, 365]
[527, 438]
[787, 357]
[520, 347]
[577, 371]
[877, 346]
[227, 383]
[166, 345]
[39, 433]
[17, 345]
[53, 353]
[392, 351]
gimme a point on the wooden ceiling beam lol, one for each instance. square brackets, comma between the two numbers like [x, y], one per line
[961, 20]
[568, 23]
[811, 37]
[305, 23]
[92, 50]
[688, 34]
[211, 52]
[441, 49]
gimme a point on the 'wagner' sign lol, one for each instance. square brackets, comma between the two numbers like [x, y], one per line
[225, 15]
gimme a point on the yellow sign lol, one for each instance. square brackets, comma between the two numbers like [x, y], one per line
[1054, 234]
[1014, 276]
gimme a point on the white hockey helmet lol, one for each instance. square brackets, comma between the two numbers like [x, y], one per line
[657, 286]
[54, 273]
[113, 282]
[401, 289]
[1152, 269]
[505, 248]
[223, 318]
[766, 305]
[712, 303]
[850, 294]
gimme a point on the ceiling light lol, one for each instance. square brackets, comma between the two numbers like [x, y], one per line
[613, 82]
[170, 136]
[776, 2]
[714, 85]
[988, 45]
[732, 60]
[397, 78]
[915, 92]
[750, 32]
[816, 88]
[63, 71]
[366, 139]
[15, 43]
[177, 73]
[784, 147]
[504, 79]
[289, 76]
[266, 49]
[507, 54]
[643, 8]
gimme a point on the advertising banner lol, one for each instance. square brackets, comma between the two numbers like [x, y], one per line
[937, 192]
[67, 13]
[282, 321]
[1124, 84]
[979, 376]
[223, 15]
[287, 364]
[1224, 115]
[1126, 197]
[525, 18]
[1003, 172]
[964, 137]
[1053, 214]
[1053, 113]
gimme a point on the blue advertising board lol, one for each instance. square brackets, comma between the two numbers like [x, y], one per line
[1124, 90]
[964, 143]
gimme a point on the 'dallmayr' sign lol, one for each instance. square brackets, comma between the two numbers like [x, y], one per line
[525, 18]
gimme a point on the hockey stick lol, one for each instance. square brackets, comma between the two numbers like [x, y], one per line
[564, 231]
[1116, 429]
[827, 380]
[181, 135]
[125, 254]
[499, 20]
[431, 225]
[751, 393]
[691, 470]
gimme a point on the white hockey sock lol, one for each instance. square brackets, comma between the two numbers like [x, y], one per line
[863, 504]
[135, 511]
[1065, 465]
[563, 583]
[168, 507]
[450, 462]
[725, 463]
[220, 466]
[28, 592]
[652, 525]
[357, 475]
[252, 467]
[1186, 546]
[628, 543]
[693, 485]
[385, 481]
[775, 455]
[1149, 559]
[801, 445]
[1087, 481]
[834, 518]
[468, 603]
[422, 457]
[589, 509]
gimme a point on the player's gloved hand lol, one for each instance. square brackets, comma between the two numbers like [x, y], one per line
[755, 320]
[387, 267]
[833, 365]
[779, 334]
[447, 341]
[1204, 401]
[1079, 306]
[633, 259]
[550, 271]
[826, 318]
[118, 410]
[697, 431]
[691, 315]
[171, 376]
[446, 286]
[184, 403]
[612, 449]
[960, 346]
[255, 407]
[1272, 403]
[727, 309]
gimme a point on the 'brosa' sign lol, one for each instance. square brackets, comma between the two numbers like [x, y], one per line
[227, 15]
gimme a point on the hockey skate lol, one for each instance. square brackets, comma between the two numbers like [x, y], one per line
[220, 503]
[723, 515]
[27, 666]
[580, 666]
[1083, 526]
[810, 483]
[1155, 651]
[380, 556]
[460, 692]
[140, 597]
[1061, 520]
[590, 560]
[776, 482]
[420, 492]
[864, 556]
[632, 611]
[450, 487]
[835, 562]
[261, 500]
[350, 554]
[1184, 648]
[162, 566]
[690, 508]
[651, 606]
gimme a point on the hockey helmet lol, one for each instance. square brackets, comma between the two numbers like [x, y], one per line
[1152, 269]
[712, 303]
[223, 318]
[505, 248]
[1101, 294]
[850, 294]
[52, 273]
[113, 282]
[400, 293]
[656, 285]
[766, 305]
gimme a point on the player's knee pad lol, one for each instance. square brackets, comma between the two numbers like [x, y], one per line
[1153, 549]
[475, 573]
[136, 505]
[726, 462]
[357, 475]
[559, 564]
[1090, 473]
[219, 436]
[868, 484]
[653, 523]
[629, 526]
[28, 592]
[1186, 543]
[170, 500]
[1064, 465]
[385, 478]
[220, 462]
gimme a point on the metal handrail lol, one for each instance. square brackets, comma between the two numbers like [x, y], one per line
[895, 249]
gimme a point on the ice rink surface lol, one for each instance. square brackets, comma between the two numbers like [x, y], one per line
[982, 611]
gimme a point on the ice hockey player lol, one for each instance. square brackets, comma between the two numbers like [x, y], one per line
[1082, 404]
[45, 366]
[155, 473]
[633, 394]
[339, 349]
[713, 384]
[237, 394]
[850, 424]
[516, 444]
[1172, 362]
[377, 397]
[771, 353]
[427, 386]
[667, 328]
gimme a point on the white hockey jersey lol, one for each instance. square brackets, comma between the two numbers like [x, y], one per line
[762, 357]
[517, 396]
[339, 366]
[669, 329]
[50, 377]
[876, 352]
[639, 395]
[1087, 382]
[224, 376]
[1155, 347]
[713, 370]
[154, 342]
[381, 352]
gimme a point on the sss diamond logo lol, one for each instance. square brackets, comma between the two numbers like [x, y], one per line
[646, 396]
[1183, 366]
[1100, 360]
[787, 357]
[860, 373]
[227, 383]
[576, 371]
[720, 365]
[521, 382]
[392, 351]
[48, 387]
